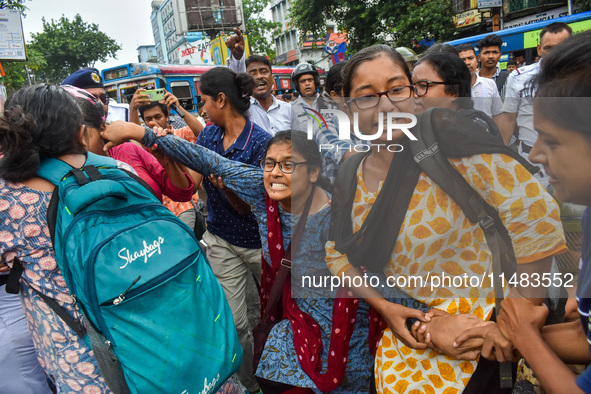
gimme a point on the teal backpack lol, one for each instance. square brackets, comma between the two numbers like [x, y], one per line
[156, 317]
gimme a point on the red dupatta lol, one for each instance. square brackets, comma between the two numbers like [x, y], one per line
[306, 332]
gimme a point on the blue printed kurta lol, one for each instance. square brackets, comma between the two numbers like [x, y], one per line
[279, 361]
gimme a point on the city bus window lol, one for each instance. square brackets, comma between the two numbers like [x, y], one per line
[111, 92]
[127, 93]
[182, 90]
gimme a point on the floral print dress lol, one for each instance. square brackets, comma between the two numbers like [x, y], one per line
[436, 239]
[279, 361]
[24, 234]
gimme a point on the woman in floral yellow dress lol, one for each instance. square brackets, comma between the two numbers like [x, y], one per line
[434, 238]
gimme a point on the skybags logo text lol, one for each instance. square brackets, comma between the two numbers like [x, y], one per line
[316, 123]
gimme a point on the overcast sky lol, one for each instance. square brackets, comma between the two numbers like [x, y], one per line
[126, 21]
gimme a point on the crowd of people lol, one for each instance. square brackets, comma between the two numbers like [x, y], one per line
[291, 202]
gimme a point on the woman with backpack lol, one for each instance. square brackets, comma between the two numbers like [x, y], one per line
[39, 122]
[42, 121]
[395, 219]
[318, 342]
[233, 245]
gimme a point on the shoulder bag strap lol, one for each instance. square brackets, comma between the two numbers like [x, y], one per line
[285, 268]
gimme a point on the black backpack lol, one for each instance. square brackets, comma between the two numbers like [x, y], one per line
[501, 79]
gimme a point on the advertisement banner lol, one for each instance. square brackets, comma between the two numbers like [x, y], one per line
[490, 3]
[467, 18]
[197, 52]
[221, 53]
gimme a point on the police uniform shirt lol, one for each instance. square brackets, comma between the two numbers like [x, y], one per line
[519, 99]
[300, 110]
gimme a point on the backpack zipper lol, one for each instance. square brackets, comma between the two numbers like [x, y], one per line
[91, 284]
[129, 294]
[122, 295]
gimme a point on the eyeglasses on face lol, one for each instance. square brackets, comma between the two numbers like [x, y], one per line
[104, 98]
[287, 167]
[422, 87]
[397, 93]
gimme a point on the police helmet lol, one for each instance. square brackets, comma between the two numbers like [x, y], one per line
[301, 69]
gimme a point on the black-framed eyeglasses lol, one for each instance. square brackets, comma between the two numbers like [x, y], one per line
[422, 87]
[397, 93]
[104, 98]
[287, 167]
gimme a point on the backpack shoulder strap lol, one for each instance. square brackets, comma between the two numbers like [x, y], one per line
[345, 185]
[15, 273]
[53, 169]
[501, 79]
[346, 175]
[432, 161]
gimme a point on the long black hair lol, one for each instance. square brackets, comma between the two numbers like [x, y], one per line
[236, 87]
[453, 71]
[39, 121]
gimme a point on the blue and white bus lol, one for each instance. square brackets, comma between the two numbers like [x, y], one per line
[182, 80]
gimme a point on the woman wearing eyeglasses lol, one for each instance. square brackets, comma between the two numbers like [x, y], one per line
[233, 245]
[442, 80]
[319, 343]
[397, 221]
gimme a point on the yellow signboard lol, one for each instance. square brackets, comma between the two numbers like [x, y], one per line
[221, 53]
[467, 18]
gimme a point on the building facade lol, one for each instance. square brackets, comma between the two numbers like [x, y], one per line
[178, 24]
[483, 16]
[147, 54]
[287, 39]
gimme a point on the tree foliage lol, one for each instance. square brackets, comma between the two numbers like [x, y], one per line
[369, 22]
[430, 20]
[14, 4]
[68, 46]
[256, 26]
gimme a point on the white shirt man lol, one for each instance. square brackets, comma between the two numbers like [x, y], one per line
[265, 110]
[484, 90]
[486, 96]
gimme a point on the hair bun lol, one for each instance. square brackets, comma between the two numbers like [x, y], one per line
[245, 84]
[18, 117]
[17, 125]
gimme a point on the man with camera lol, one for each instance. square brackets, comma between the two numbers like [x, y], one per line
[157, 109]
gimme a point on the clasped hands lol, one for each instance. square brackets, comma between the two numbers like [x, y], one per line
[461, 336]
